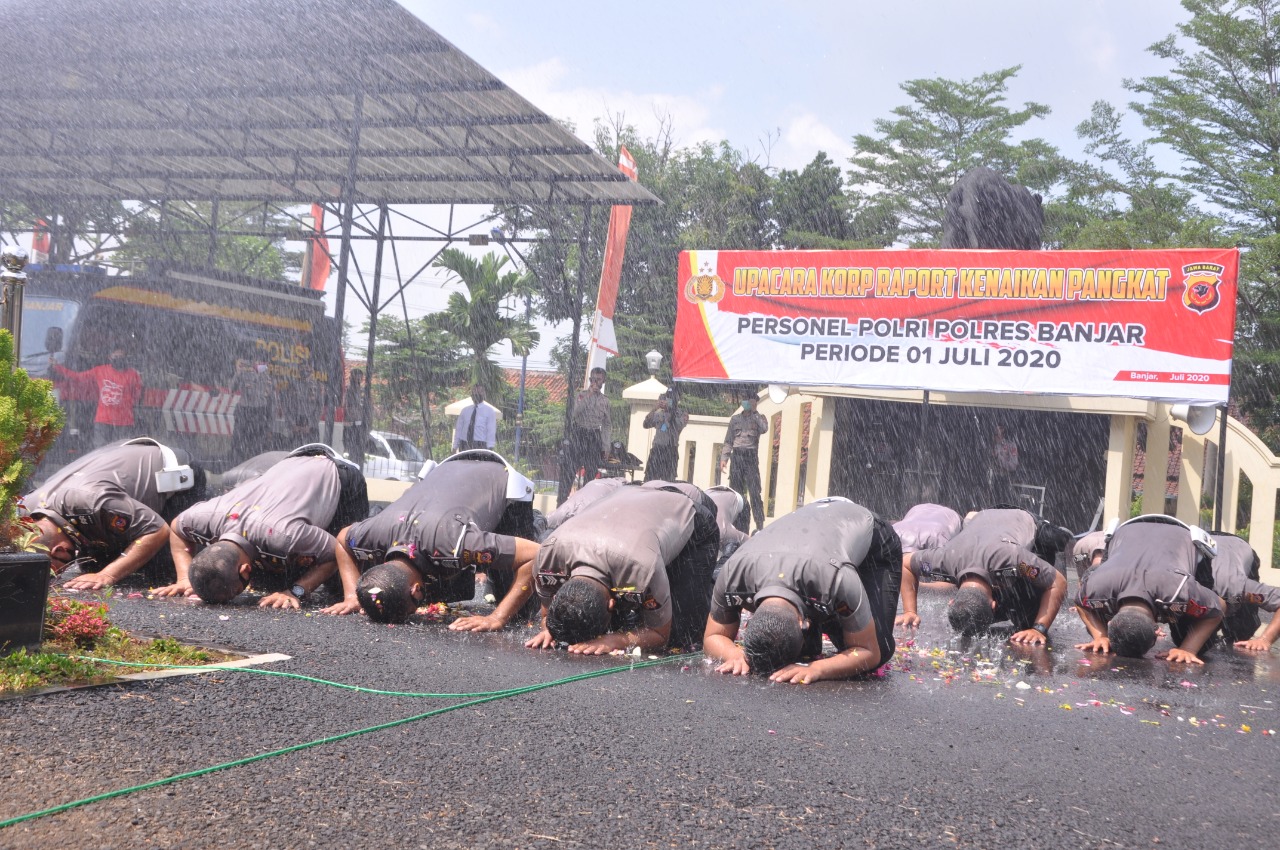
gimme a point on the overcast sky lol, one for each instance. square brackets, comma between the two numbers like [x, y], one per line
[809, 75]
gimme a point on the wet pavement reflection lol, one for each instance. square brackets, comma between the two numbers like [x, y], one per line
[1233, 691]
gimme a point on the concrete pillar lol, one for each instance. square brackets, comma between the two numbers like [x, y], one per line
[822, 423]
[1119, 487]
[1262, 519]
[1190, 478]
[1157, 469]
[787, 491]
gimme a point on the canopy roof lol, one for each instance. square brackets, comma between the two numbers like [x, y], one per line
[271, 100]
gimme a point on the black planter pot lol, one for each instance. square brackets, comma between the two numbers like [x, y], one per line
[24, 587]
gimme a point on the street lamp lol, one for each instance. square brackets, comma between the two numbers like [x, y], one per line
[653, 360]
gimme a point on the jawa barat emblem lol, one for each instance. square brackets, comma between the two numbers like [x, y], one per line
[1201, 292]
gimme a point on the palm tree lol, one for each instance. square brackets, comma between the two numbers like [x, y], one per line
[478, 318]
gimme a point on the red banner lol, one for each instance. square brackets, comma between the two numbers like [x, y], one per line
[604, 342]
[1149, 324]
[319, 264]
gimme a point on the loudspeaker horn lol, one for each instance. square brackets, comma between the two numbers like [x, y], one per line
[1199, 417]
[778, 393]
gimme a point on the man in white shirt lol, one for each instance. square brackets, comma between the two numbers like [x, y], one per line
[477, 425]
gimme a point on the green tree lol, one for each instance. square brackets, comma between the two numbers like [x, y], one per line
[1119, 199]
[414, 366]
[1219, 109]
[949, 127]
[478, 319]
[189, 234]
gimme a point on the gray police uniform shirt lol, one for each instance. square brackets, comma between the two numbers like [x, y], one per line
[445, 519]
[1083, 551]
[992, 541]
[624, 541]
[109, 496]
[1231, 577]
[1153, 562]
[809, 558]
[927, 526]
[586, 495]
[279, 519]
[728, 506]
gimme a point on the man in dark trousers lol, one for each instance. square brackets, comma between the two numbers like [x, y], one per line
[1002, 562]
[275, 528]
[631, 570]
[667, 421]
[428, 545]
[742, 444]
[589, 435]
[109, 509]
[1235, 580]
[832, 566]
[1150, 574]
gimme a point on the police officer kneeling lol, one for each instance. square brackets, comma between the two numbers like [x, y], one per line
[630, 570]
[1150, 574]
[111, 508]
[832, 566]
[427, 545]
[1002, 562]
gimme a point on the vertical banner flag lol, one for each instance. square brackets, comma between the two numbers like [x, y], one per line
[1156, 324]
[603, 342]
[318, 263]
[40, 242]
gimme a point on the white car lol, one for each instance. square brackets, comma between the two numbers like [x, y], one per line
[392, 456]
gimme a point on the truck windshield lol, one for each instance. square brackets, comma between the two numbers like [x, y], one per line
[40, 313]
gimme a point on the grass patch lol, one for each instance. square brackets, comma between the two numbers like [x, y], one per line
[75, 628]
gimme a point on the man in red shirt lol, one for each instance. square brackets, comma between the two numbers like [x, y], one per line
[119, 390]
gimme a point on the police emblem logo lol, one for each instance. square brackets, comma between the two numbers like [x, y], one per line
[1253, 598]
[705, 288]
[1028, 571]
[118, 522]
[305, 561]
[1201, 282]
[650, 603]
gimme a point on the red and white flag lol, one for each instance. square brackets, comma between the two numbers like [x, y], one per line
[319, 263]
[40, 242]
[603, 342]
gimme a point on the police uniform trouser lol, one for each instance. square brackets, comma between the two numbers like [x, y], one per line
[661, 465]
[586, 452]
[690, 576]
[881, 576]
[744, 476]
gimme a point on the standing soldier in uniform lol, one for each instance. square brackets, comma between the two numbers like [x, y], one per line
[832, 566]
[742, 443]
[1002, 562]
[428, 545]
[1149, 575]
[589, 434]
[108, 507]
[631, 570]
[256, 409]
[271, 528]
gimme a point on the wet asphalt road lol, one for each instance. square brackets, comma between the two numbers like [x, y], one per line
[971, 745]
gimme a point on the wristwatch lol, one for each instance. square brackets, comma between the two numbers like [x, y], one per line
[298, 591]
[1042, 629]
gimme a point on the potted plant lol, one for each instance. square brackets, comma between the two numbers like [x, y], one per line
[30, 419]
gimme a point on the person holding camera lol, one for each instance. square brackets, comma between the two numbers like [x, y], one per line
[668, 421]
